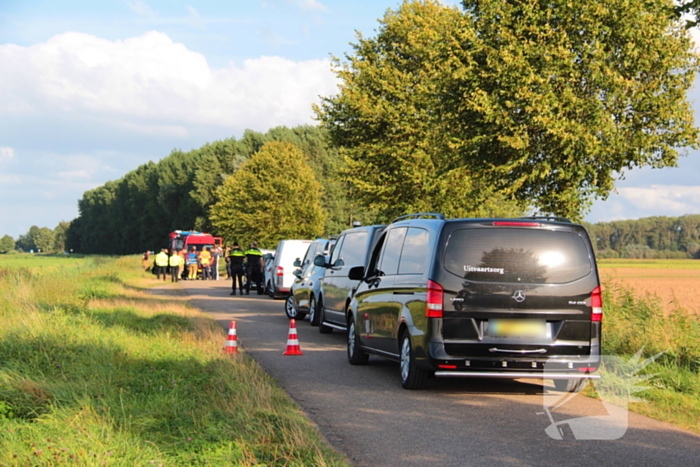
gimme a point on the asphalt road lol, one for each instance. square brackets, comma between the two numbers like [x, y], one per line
[364, 412]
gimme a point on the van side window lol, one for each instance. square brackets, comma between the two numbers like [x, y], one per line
[389, 263]
[353, 251]
[374, 259]
[416, 252]
[336, 250]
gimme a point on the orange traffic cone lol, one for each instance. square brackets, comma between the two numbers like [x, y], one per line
[232, 339]
[293, 340]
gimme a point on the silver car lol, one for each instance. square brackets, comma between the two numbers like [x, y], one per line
[306, 288]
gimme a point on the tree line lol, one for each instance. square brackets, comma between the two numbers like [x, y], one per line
[492, 109]
[650, 237]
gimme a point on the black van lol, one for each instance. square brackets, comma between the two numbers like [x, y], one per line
[508, 298]
[351, 249]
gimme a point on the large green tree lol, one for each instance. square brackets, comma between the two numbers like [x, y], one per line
[401, 157]
[273, 196]
[543, 102]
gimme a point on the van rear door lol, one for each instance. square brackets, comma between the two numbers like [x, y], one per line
[518, 289]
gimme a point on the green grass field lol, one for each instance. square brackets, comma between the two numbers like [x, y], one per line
[94, 371]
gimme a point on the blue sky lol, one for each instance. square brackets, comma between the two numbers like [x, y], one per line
[91, 90]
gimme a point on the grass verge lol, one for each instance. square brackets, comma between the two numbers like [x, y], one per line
[93, 371]
[631, 324]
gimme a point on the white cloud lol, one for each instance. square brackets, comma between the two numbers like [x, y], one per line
[669, 199]
[6, 154]
[140, 8]
[312, 5]
[153, 83]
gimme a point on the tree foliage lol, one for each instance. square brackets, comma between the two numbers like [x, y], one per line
[273, 196]
[544, 102]
[7, 244]
[401, 157]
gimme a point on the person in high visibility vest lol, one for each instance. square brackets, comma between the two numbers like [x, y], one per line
[162, 263]
[254, 268]
[175, 261]
[191, 261]
[236, 260]
[205, 262]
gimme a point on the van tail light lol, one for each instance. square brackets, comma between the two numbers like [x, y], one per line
[433, 303]
[597, 304]
[280, 271]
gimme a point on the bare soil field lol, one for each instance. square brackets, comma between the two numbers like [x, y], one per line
[676, 287]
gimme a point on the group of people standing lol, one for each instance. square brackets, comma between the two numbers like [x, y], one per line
[171, 263]
[247, 263]
[239, 264]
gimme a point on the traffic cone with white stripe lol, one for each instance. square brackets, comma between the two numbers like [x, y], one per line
[232, 339]
[293, 340]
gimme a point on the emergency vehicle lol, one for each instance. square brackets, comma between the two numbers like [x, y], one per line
[180, 239]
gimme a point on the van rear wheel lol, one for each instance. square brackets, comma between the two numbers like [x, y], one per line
[355, 354]
[412, 377]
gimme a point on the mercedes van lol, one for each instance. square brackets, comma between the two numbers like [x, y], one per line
[503, 298]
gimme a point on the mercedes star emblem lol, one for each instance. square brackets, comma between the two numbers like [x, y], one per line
[519, 296]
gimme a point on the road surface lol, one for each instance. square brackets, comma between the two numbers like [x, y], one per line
[364, 412]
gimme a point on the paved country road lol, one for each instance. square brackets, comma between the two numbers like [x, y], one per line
[364, 412]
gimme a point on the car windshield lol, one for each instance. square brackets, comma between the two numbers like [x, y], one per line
[532, 256]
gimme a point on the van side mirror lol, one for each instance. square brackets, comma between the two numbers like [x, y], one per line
[297, 263]
[297, 273]
[320, 261]
[357, 273]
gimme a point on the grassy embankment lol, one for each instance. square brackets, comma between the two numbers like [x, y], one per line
[632, 322]
[94, 371]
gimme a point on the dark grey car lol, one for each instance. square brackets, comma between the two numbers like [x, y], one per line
[351, 249]
[508, 298]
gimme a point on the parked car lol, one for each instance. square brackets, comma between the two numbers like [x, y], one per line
[307, 286]
[505, 298]
[351, 249]
[282, 273]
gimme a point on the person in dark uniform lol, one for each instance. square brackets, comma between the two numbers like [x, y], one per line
[236, 260]
[254, 268]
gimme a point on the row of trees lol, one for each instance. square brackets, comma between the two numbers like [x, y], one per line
[136, 212]
[38, 239]
[651, 237]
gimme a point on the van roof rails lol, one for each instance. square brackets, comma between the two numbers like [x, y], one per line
[548, 218]
[418, 215]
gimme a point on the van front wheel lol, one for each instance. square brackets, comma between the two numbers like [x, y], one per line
[291, 310]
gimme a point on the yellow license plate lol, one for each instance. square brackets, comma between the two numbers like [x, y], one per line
[517, 328]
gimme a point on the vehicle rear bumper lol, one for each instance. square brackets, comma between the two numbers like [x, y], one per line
[514, 374]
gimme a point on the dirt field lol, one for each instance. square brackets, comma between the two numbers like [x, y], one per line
[676, 286]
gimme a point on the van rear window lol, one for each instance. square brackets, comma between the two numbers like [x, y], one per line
[528, 256]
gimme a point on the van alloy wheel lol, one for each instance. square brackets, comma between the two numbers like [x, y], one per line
[355, 354]
[290, 309]
[313, 315]
[412, 377]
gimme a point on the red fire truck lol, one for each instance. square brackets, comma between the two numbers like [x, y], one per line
[181, 239]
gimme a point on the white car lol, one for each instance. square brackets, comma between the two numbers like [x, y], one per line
[278, 282]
